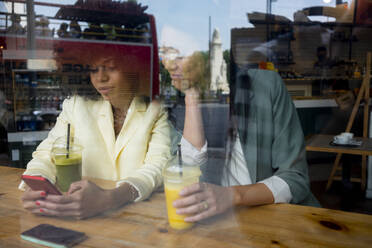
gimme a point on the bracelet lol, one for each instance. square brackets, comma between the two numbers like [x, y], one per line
[133, 193]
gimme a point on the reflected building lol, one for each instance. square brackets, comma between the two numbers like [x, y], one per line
[218, 66]
[17, 8]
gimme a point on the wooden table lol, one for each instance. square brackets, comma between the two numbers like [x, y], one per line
[144, 224]
[321, 143]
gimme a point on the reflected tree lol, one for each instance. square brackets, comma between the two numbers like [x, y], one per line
[196, 70]
[165, 78]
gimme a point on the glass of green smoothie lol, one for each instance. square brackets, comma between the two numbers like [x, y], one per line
[67, 159]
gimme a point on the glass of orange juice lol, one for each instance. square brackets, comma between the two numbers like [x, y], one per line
[176, 177]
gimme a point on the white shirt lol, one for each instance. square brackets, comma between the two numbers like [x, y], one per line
[239, 173]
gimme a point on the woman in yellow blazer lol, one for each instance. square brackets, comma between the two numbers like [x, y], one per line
[125, 138]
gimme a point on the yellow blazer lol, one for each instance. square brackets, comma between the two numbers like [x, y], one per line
[137, 156]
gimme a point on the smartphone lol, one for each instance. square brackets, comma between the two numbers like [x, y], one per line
[41, 183]
[53, 236]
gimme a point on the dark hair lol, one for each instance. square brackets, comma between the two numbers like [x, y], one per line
[238, 109]
[213, 172]
[84, 56]
[321, 49]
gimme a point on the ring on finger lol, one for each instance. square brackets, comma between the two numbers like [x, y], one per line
[205, 205]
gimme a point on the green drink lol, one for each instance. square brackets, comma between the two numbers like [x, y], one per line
[68, 164]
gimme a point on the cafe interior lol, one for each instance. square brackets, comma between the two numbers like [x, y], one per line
[221, 85]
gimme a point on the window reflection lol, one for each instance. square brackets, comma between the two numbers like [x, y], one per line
[318, 48]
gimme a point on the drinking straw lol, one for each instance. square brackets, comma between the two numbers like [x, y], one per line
[180, 159]
[68, 140]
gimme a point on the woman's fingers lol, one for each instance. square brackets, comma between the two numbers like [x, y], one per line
[69, 208]
[56, 198]
[76, 186]
[30, 205]
[58, 207]
[51, 212]
[199, 211]
[200, 216]
[193, 188]
[192, 196]
[59, 199]
[83, 200]
[189, 200]
[29, 199]
[30, 195]
[194, 209]
[203, 200]
[71, 196]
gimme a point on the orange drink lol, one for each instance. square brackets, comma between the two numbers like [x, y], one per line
[175, 179]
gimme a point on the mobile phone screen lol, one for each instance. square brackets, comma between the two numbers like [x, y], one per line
[53, 236]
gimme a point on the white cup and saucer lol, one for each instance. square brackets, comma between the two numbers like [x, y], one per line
[343, 138]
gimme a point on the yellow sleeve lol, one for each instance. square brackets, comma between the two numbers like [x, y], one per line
[149, 176]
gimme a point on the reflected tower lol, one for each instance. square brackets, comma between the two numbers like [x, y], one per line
[218, 66]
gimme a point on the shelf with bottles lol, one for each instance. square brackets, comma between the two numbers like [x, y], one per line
[343, 36]
[38, 96]
[332, 70]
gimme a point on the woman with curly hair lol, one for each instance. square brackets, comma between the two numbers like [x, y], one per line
[126, 137]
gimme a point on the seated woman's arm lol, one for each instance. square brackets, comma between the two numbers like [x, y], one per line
[148, 177]
[193, 130]
[84, 198]
[288, 155]
[81, 200]
[288, 148]
[41, 163]
[203, 200]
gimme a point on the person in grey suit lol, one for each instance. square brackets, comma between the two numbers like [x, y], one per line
[266, 158]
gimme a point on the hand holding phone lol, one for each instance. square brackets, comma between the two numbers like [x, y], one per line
[37, 183]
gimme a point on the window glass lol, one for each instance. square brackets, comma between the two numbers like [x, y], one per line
[241, 86]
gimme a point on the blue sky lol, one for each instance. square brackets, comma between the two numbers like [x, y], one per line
[184, 24]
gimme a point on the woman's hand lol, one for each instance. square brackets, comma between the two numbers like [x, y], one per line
[30, 199]
[84, 199]
[181, 85]
[190, 91]
[203, 200]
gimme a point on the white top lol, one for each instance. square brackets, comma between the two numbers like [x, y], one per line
[239, 174]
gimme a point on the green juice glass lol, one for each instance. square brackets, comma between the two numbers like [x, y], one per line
[68, 162]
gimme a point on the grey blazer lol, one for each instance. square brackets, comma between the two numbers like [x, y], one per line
[270, 133]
